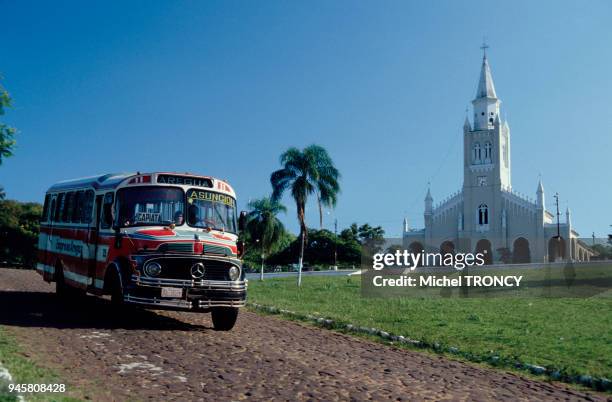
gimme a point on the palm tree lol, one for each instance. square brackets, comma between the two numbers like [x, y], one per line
[263, 226]
[306, 172]
[327, 191]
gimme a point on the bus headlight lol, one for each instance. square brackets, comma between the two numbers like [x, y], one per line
[234, 273]
[152, 269]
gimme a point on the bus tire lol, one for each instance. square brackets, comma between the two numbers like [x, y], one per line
[224, 318]
[116, 289]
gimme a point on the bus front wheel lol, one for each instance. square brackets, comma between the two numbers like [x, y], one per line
[115, 288]
[224, 318]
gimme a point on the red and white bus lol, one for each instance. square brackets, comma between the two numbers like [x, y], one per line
[162, 240]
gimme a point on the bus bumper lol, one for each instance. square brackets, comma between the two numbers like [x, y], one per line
[185, 294]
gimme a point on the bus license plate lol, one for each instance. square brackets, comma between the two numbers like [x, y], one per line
[172, 292]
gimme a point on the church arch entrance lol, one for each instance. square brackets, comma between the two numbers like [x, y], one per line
[520, 251]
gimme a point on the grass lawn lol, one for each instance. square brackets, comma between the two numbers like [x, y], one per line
[572, 335]
[24, 371]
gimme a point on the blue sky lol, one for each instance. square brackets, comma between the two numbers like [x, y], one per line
[223, 88]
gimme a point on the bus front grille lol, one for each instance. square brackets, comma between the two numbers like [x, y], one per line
[180, 268]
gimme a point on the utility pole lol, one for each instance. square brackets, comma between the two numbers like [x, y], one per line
[557, 202]
[593, 238]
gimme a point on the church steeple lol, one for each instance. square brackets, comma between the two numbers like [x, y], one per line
[486, 88]
[428, 202]
[466, 124]
[486, 104]
[540, 194]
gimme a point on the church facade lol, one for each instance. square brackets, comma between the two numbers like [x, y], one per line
[487, 215]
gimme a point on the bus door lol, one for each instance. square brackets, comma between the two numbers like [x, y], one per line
[94, 237]
[48, 243]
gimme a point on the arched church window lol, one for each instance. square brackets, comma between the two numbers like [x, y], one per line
[487, 150]
[483, 214]
[476, 152]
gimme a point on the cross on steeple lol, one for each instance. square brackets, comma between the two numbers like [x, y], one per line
[484, 47]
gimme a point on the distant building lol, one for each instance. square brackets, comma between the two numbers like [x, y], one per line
[487, 214]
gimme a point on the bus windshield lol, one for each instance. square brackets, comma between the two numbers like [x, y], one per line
[207, 209]
[140, 206]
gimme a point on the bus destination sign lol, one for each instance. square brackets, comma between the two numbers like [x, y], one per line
[184, 180]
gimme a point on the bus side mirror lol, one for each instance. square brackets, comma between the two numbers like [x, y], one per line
[242, 221]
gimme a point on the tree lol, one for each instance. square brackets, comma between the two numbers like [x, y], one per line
[319, 249]
[350, 234]
[604, 252]
[320, 246]
[367, 232]
[373, 237]
[306, 172]
[7, 134]
[263, 227]
[327, 190]
[19, 228]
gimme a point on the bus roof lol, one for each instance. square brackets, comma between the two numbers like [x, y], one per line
[98, 181]
[113, 180]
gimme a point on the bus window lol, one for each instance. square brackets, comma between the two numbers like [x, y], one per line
[59, 206]
[107, 211]
[77, 211]
[68, 207]
[150, 206]
[211, 210]
[87, 206]
[52, 209]
[45, 212]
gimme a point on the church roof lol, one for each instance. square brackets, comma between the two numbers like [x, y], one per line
[486, 89]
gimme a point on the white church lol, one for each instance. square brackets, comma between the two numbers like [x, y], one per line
[487, 215]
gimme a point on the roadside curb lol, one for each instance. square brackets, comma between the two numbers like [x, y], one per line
[553, 373]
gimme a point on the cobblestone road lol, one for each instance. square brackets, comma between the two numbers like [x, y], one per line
[153, 355]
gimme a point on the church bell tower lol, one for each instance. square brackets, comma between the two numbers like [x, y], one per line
[486, 164]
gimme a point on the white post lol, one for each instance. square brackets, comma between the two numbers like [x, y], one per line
[300, 264]
[261, 275]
